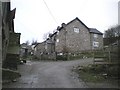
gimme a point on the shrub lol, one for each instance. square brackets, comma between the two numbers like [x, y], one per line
[113, 71]
[61, 57]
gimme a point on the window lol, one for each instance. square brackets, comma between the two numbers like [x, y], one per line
[76, 30]
[95, 44]
[46, 46]
[57, 40]
[60, 54]
[95, 35]
[35, 49]
[116, 35]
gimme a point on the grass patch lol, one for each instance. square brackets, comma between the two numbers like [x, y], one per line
[90, 77]
[81, 55]
[98, 73]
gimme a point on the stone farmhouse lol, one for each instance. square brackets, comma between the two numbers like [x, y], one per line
[25, 50]
[72, 37]
[45, 50]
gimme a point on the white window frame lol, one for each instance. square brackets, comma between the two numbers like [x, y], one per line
[95, 44]
[76, 30]
[60, 53]
[57, 40]
[46, 46]
[95, 35]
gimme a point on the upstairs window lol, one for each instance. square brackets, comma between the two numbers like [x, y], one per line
[57, 40]
[76, 30]
[95, 35]
[46, 46]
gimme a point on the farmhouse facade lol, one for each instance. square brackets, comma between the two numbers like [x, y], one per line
[73, 37]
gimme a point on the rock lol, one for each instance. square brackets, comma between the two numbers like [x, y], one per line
[14, 80]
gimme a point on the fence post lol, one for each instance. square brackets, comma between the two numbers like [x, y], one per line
[109, 56]
[93, 58]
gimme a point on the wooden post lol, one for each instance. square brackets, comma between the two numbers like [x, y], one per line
[109, 56]
[93, 58]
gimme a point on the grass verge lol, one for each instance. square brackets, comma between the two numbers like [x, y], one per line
[99, 76]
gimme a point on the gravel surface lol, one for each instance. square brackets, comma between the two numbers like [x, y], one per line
[49, 74]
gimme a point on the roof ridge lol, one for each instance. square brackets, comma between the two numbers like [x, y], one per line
[94, 30]
[79, 21]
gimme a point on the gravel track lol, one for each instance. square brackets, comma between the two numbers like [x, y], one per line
[49, 74]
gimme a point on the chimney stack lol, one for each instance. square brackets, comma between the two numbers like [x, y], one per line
[58, 27]
[63, 25]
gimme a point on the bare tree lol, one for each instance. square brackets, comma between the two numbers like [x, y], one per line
[34, 42]
[46, 35]
[27, 42]
[112, 32]
[112, 37]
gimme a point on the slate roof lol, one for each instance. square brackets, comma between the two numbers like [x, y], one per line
[91, 30]
[73, 21]
[79, 21]
[94, 30]
[36, 45]
[53, 34]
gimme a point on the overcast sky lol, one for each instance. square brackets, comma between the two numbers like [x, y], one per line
[34, 18]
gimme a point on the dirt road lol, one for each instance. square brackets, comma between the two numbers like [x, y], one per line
[49, 74]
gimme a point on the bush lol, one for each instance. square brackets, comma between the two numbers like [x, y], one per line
[113, 71]
[61, 57]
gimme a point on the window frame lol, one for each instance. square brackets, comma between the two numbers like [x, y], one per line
[95, 35]
[95, 44]
[76, 30]
[57, 40]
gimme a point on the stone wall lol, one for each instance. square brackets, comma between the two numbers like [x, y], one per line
[73, 37]
[5, 28]
[60, 43]
[98, 39]
[71, 41]
[12, 57]
[39, 49]
[11, 61]
[77, 42]
[51, 56]
[14, 39]
[10, 39]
